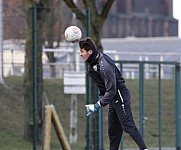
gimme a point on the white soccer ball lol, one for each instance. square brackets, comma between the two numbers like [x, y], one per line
[72, 34]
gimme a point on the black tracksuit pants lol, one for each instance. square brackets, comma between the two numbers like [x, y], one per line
[120, 118]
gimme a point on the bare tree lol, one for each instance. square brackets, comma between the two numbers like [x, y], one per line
[97, 19]
[14, 20]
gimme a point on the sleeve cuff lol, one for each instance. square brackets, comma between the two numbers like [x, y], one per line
[97, 105]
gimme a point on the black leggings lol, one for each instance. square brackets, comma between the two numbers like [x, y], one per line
[120, 118]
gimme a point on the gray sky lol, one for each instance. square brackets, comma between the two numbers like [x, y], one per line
[177, 13]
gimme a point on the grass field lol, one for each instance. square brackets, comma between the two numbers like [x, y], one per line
[12, 114]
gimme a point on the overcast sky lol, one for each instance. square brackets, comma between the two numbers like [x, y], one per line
[177, 13]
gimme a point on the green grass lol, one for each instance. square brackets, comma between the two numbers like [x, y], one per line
[12, 114]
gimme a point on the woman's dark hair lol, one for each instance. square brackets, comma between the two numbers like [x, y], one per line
[87, 44]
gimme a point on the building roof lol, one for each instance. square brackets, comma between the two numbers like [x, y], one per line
[128, 48]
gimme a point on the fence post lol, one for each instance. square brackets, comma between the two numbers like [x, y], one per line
[141, 93]
[88, 86]
[100, 129]
[178, 106]
[160, 106]
[34, 77]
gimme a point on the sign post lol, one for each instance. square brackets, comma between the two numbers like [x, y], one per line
[74, 83]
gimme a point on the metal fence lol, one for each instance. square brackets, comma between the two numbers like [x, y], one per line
[156, 105]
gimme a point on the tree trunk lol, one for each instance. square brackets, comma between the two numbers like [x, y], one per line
[28, 79]
[28, 76]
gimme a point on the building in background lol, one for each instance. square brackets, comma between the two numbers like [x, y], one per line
[140, 18]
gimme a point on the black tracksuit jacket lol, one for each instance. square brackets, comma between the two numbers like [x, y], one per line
[107, 77]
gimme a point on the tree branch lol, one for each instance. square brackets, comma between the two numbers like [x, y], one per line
[106, 9]
[75, 9]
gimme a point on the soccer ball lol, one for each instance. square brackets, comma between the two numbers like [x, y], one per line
[72, 34]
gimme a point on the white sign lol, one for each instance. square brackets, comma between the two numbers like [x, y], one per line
[74, 82]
